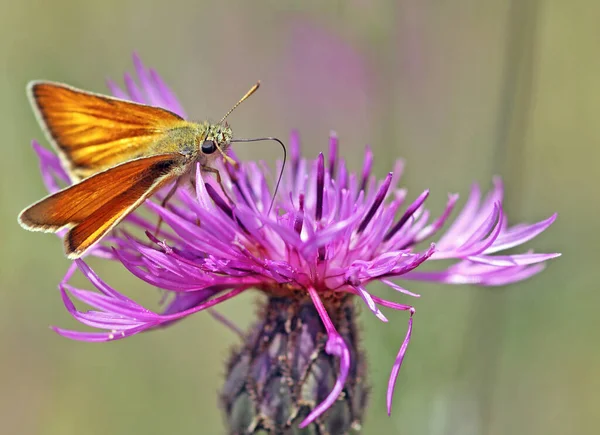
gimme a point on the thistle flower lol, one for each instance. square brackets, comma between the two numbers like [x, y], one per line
[329, 234]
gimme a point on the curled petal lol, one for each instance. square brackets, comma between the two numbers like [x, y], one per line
[122, 317]
[335, 346]
[398, 363]
[365, 296]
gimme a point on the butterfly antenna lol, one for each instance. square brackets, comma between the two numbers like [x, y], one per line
[260, 139]
[252, 90]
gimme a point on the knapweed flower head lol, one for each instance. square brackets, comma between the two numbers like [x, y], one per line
[327, 236]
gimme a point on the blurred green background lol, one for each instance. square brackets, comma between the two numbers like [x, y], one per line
[462, 90]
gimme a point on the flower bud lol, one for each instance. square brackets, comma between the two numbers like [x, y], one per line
[282, 372]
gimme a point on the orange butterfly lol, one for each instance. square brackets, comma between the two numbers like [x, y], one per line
[118, 153]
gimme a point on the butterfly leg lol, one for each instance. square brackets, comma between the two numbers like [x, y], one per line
[164, 202]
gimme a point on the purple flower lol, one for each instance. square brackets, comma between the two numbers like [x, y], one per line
[329, 233]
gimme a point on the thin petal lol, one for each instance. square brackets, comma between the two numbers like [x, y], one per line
[335, 346]
[398, 364]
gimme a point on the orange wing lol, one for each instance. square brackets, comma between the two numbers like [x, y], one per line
[93, 132]
[94, 206]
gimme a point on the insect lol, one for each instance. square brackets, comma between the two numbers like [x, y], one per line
[117, 153]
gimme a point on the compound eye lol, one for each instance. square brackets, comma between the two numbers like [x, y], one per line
[208, 147]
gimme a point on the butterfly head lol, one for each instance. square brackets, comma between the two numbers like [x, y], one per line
[217, 138]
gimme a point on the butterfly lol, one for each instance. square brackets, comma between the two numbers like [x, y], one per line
[117, 153]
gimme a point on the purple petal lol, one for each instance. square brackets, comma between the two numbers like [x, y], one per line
[335, 346]
[410, 211]
[116, 91]
[398, 364]
[366, 297]
[170, 101]
[510, 239]
[50, 168]
[367, 165]
[133, 91]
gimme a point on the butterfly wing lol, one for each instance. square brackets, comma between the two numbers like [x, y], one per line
[93, 132]
[94, 206]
